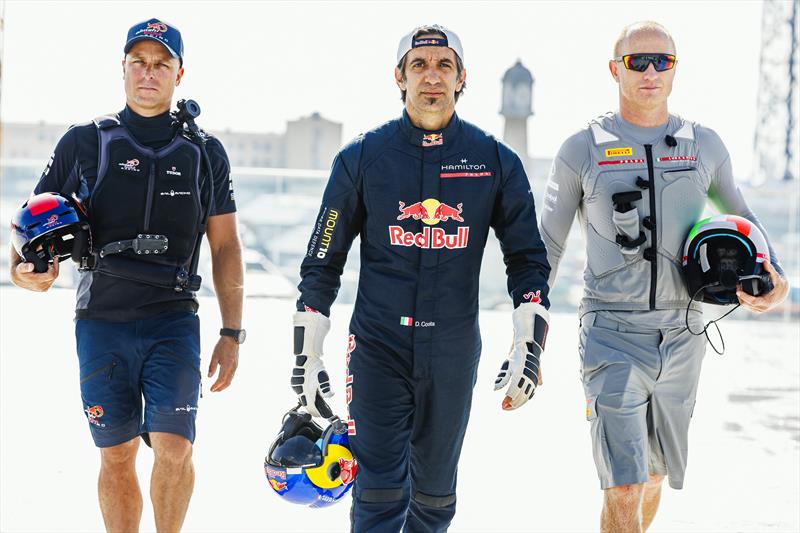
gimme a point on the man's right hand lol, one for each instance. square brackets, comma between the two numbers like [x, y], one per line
[310, 380]
[22, 274]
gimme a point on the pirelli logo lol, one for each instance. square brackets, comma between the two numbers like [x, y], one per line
[619, 152]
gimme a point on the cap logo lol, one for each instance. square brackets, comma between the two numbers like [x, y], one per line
[157, 26]
[429, 41]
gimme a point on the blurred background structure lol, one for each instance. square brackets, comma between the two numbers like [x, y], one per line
[279, 176]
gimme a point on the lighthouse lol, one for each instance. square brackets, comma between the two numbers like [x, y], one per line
[517, 106]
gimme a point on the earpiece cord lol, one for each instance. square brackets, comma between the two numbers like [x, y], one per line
[705, 328]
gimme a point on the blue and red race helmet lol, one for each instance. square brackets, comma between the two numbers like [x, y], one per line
[310, 466]
[48, 226]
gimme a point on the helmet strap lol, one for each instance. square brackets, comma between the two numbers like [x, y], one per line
[705, 328]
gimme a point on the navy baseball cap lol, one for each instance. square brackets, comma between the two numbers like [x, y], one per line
[156, 30]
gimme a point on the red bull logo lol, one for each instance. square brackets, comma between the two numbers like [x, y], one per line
[533, 297]
[432, 139]
[130, 165]
[277, 485]
[348, 470]
[93, 413]
[416, 211]
[445, 212]
[52, 220]
[429, 238]
[430, 212]
[157, 26]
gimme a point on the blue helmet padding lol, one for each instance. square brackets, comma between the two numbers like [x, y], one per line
[697, 245]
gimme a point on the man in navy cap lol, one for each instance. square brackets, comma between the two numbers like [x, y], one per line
[141, 176]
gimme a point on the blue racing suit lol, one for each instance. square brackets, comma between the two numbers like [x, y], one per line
[423, 203]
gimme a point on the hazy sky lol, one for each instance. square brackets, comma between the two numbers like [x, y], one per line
[254, 65]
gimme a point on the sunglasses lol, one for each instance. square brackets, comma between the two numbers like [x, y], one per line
[640, 62]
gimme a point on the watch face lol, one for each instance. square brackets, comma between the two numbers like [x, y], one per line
[241, 336]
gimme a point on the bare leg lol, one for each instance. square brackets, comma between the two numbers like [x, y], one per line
[622, 511]
[118, 488]
[650, 500]
[172, 481]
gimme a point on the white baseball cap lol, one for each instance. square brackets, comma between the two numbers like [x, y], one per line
[450, 40]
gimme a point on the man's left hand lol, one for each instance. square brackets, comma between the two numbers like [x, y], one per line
[762, 304]
[521, 371]
[226, 357]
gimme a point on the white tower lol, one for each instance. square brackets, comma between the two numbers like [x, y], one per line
[517, 106]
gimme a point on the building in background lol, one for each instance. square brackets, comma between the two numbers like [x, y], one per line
[253, 149]
[309, 142]
[312, 142]
[34, 141]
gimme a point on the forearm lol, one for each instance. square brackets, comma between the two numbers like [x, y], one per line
[228, 272]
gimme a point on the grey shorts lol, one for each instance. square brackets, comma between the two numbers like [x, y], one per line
[640, 377]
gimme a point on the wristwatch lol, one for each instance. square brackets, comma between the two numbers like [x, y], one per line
[239, 335]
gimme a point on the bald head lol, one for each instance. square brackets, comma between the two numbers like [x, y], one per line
[646, 28]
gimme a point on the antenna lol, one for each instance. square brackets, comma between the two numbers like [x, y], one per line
[776, 137]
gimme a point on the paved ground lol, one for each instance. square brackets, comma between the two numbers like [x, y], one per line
[529, 470]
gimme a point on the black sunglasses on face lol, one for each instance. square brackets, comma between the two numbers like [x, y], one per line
[640, 62]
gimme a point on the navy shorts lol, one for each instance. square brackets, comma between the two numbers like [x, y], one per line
[157, 358]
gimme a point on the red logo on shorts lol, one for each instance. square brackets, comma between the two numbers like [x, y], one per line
[94, 413]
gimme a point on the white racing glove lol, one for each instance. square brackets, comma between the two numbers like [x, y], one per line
[521, 370]
[310, 380]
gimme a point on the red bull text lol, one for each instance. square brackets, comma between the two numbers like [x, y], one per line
[429, 238]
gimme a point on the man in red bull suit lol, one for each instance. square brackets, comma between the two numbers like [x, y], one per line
[422, 191]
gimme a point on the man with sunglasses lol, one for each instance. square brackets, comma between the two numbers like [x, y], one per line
[639, 179]
[422, 191]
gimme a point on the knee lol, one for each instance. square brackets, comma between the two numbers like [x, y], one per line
[171, 449]
[395, 496]
[624, 495]
[120, 456]
[435, 502]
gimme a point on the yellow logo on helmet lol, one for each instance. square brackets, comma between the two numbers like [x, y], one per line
[321, 475]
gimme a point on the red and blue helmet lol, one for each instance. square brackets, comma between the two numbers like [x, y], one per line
[48, 226]
[310, 466]
[722, 252]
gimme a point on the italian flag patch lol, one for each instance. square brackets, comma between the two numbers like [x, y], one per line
[406, 320]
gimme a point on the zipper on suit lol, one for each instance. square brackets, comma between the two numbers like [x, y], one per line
[654, 233]
[151, 184]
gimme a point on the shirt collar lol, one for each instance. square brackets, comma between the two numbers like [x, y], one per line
[423, 138]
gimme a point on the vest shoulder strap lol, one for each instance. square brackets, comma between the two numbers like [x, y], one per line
[600, 135]
[686, 131]
[104, 122]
